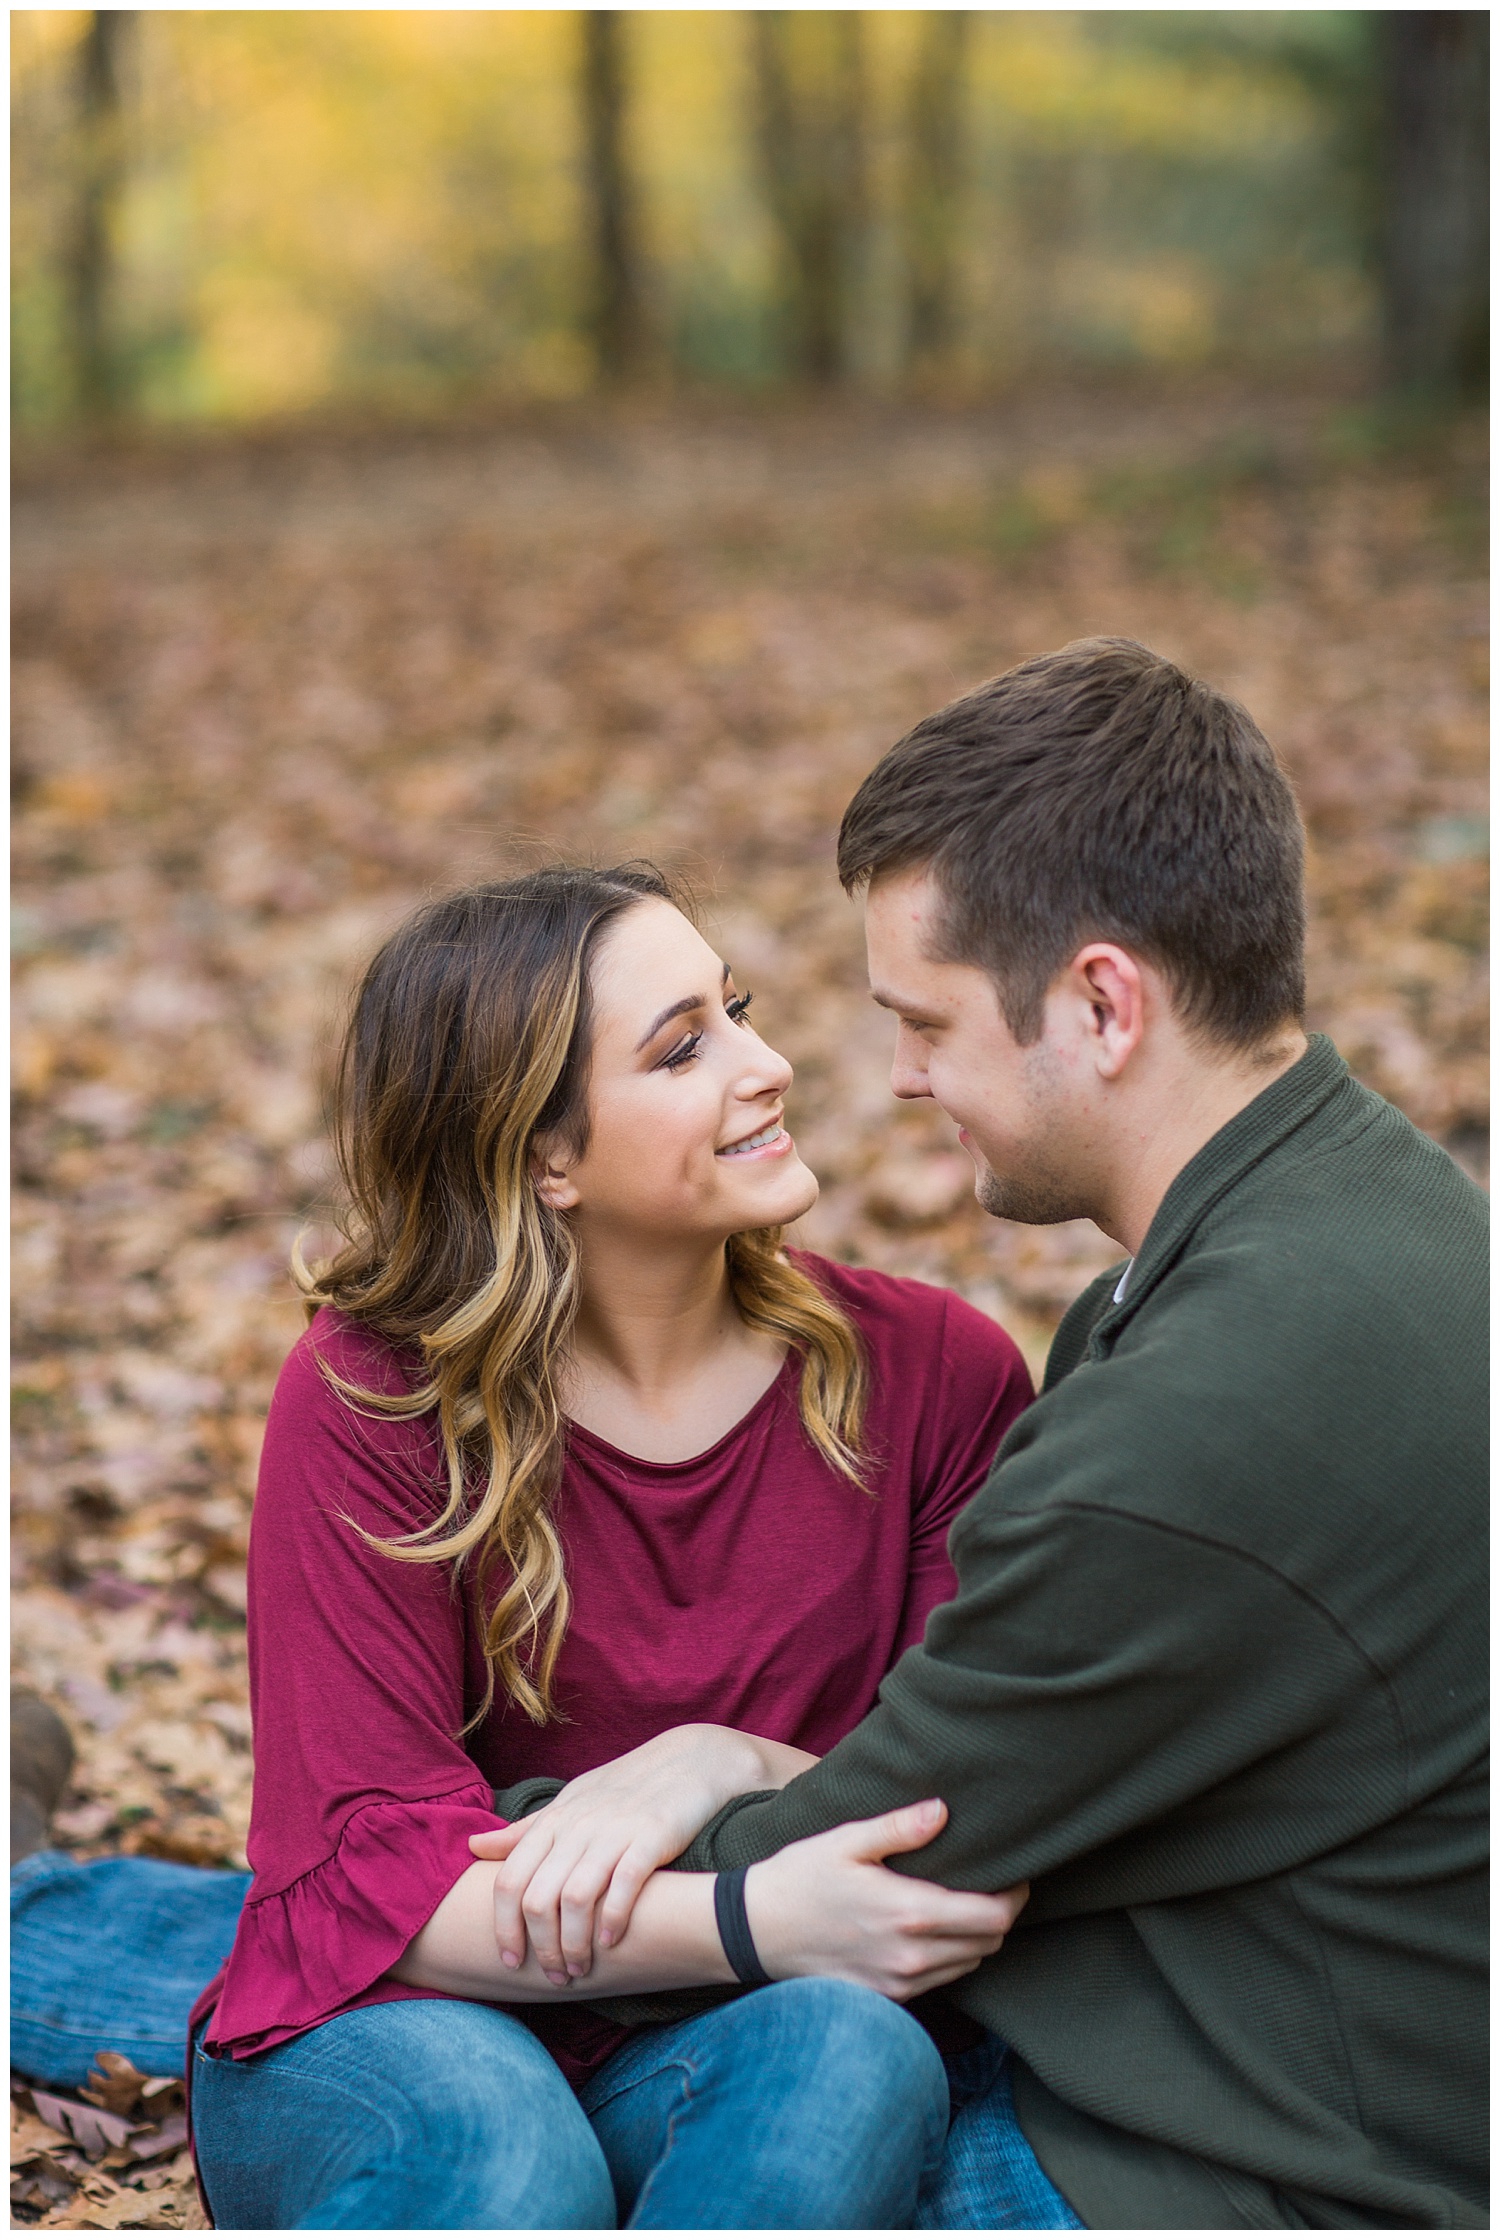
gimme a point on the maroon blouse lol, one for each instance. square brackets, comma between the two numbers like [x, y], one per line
[752, 1586]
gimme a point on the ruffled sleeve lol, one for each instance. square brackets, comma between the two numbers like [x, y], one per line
[362, 1673]
[310, 1951]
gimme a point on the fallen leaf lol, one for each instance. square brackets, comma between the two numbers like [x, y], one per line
[192, 2215]
[114, 2083]
[70, 2216]
[165, 2138]
[30, 2136]
[94, 2129]
[83, 1823]
[99, 2186]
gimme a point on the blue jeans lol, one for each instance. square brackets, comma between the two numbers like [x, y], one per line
[809, 2105]
[111, 1956]
[990, 2180]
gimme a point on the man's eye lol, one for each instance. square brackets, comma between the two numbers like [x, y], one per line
[685, 1051]
[739, 1005]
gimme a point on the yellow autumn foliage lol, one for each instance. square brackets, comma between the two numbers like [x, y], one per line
[320, 207]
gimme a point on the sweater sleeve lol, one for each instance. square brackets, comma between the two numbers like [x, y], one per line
[365, 1796]
[1099, 1675]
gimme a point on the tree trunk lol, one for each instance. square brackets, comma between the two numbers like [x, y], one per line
[96, 358]
[934, 181]
[1436, 229]
[809, 67]
[615, 290]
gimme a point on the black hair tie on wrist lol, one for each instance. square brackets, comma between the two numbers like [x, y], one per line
[734, 1927]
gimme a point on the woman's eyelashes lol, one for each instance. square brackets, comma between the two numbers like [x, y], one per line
[676, 1059]
[686, 1050]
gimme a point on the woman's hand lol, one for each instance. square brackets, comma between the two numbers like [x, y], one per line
[826, 1907]
[576, 1867]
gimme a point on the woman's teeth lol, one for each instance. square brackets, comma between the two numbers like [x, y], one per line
[752, 1143]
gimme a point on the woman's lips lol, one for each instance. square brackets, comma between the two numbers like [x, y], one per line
[779, 1145]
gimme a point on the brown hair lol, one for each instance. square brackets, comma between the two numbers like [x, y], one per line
[469, 1039]
[1099, 792]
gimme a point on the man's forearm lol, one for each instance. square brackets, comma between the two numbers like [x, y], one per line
[757, 1826]
[672, 1943]
[876, 1768]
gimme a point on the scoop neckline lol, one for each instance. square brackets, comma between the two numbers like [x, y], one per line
[705, 1454]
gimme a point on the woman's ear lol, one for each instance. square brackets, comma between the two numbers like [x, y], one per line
[550, 1179]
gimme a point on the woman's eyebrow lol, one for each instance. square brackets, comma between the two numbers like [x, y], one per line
[675, 1010]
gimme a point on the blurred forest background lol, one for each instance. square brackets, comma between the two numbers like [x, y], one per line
[445, 437]
[224, 214]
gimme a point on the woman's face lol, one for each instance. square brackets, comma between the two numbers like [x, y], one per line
[685, 1100]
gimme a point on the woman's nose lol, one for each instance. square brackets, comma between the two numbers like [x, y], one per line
[764, 1069]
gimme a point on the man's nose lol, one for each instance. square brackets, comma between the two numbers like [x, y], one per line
[908, 1071]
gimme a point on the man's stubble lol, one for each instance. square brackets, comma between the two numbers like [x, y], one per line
[1041, 1199]
[1038, 1184]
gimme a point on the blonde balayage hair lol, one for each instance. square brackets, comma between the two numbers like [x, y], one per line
[469, 1041]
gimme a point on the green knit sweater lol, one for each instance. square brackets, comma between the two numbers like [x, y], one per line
[1213, 1681]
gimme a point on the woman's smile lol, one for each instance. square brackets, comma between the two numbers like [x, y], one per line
[770, 1142]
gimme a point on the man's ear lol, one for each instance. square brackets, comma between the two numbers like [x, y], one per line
[1111, 989]
[551, 1178]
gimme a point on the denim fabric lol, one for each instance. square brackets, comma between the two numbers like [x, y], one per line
[807, 2106]
[112, 1954]
[811, 2104]
[427, 2114]
[990, 2180]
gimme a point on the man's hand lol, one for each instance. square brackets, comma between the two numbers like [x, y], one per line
[575, 1868]
[827, 1907]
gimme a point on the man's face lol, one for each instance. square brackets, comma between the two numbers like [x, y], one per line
[1021, 1109]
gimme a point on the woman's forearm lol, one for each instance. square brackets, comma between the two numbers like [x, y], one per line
[672, 1942]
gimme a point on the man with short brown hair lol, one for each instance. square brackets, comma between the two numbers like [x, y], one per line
[1213, 1678]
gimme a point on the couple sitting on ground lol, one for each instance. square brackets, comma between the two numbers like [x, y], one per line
[1088, 1833]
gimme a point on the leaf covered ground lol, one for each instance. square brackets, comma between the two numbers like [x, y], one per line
[111, 2158]
[272, 692]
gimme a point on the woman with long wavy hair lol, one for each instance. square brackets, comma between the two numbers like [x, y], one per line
[578, 1471]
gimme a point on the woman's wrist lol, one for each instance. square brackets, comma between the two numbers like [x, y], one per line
[775, 1763]
[728, 1763]
[732, 1763]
